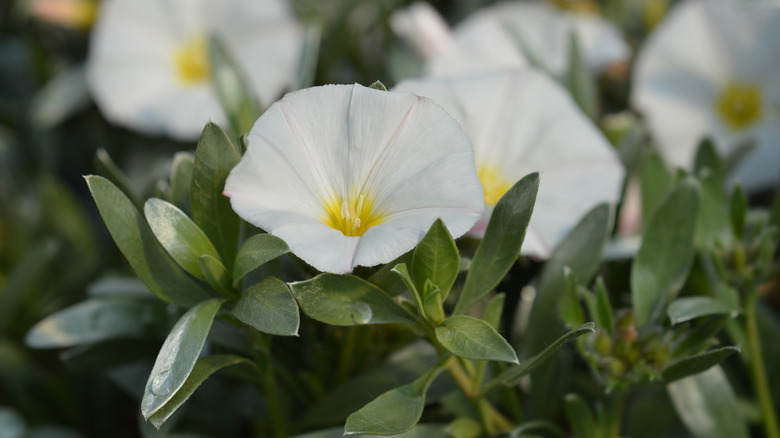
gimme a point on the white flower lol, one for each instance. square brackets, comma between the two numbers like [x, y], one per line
[148, 62]
[350, 176]
[712, 69]
[421, 26]
[521, 121]
[488, 39]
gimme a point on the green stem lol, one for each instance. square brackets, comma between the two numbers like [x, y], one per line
[278, 423]
[493, 421]
[760, 382]
[347, 352]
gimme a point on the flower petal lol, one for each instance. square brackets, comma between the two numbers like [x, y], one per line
[521, 121]
[332, 143]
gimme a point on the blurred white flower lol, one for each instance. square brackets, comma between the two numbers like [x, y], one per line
[490, 38]
[148, 64]
[712, 69]
[421, 26]
[521, 121]
[350, 176]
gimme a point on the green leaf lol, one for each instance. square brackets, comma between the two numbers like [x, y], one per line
[236, 96]
[580, 82]
[178, 355]
[502, 241]
[709, 160]
[378, 85]
[700, 337]
[688, 308]
[580, 417]
[255, 252]
[108, 169]
[419, 431]
[494, 310]
[346, 300]
[24, 278]
[388, 280]
[666, 254]
[432, 304]
[179, 235]
[436, 258]
[512, 375]
[656, 182]
[396, 411]
[204, 367]
[475, 339]
[159, 272]
[569, 306]
[691, 365]
[738, 211]
[96, 320]
[216, 275]
[603, 314]
[708, 406]
[713, 225]
[774, 215]
[215, 157]
[580, 251]
[403, 272]
[269, 307]
[181, 179]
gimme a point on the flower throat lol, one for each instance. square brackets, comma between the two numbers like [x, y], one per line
[352, 216]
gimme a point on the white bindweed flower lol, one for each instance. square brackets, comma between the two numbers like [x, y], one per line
[490, 38]
[712, 69]
[350, 176]
[521, 121]
[148, 63]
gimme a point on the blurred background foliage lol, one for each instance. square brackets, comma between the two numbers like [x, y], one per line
[55, 250]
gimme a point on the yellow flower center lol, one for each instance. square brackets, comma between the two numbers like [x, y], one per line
[353, 216]
[493, 184]
[192, 62]
[739, 105]
[577, 6]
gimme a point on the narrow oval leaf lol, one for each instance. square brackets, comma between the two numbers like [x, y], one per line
[215, 157]
[346, 300]
[181, 179]
[580, 417]
[159, 272]
[96, 320]
[255, 252]
[475, 339]
[216, 275]
[436, 258]
[235, 95]
[603, 306]
[656, 182]
[708, 406]
[269, 307]
[569, 306]
[502, 241]
[178, 355]
[738, 211]
[179, 235]
[494, 310]
[688, 308]
[511, 376]
[109, 170]
[666, 254]
[691, 365]
[393, 412]
[204, 367]
[432, 304]
[580, 252]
